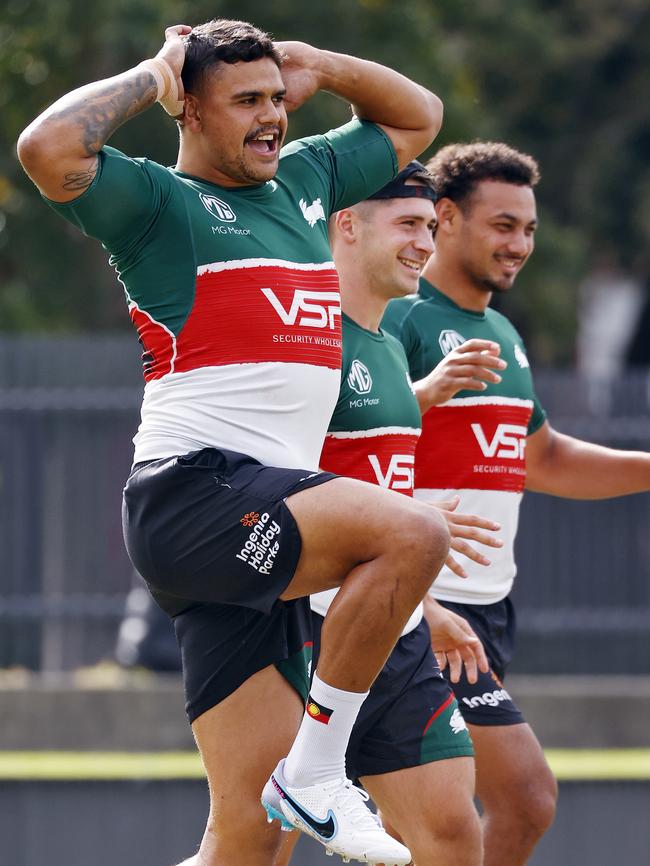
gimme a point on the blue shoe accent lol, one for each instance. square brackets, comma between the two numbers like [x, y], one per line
[273, 815]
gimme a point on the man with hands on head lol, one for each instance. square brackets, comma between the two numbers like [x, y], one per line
[486, 438]
[227, 270]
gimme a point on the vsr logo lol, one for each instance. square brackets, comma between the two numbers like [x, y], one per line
[509, 441]
[218, 208]
[400, 472]
[318, 309]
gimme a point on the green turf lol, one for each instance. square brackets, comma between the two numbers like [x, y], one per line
[567, 764]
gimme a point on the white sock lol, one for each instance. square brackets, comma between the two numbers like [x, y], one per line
[318, 752]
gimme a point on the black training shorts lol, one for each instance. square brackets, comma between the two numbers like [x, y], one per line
[212, 536]
[222, 645]
[213, 526]
[410, 717]
[487, 702]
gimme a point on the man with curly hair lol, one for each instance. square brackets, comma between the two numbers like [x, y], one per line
[487, 439]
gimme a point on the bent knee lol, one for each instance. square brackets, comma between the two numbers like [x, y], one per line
[539, 800]
[529, 808]
[455, 825]
[425, 537]
[541, 805]
[456, 831]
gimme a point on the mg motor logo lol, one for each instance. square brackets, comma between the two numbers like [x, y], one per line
[308, 309]
[218, 208]
[359, 378]
[450, 340]
[508, 442]
[400, 472]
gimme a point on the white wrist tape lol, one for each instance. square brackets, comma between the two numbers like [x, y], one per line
[166, 84]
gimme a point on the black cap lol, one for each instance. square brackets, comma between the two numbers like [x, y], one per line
[398, 188]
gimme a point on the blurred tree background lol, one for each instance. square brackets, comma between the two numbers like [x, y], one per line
[566, 82]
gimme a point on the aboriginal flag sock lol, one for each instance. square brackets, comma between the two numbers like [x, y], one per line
[318, 752]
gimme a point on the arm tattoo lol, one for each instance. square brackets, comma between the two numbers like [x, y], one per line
[79, 180]
[103, 107]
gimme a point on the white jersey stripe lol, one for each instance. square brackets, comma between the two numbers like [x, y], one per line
[221, 407]
[238, 264]
[377, 431]
[487, 401]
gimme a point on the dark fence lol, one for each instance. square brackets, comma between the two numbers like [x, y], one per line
[68, 410]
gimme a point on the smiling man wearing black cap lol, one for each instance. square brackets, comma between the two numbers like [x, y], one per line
[409, 747]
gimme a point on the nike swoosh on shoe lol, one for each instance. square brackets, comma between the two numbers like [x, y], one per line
[326, 829]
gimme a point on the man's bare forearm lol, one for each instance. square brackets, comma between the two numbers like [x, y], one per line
[426, 395]
[410, 114]
[94, 112]
[378, 93]
[576, 469]
[88, 116]
[58, 149]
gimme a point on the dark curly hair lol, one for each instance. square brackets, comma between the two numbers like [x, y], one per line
[223, 41]
[457, 169]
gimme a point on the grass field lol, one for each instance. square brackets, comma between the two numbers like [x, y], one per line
[567, 764]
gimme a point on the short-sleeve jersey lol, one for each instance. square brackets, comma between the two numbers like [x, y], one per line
[474, 444]
[233, 292]
[376, 423]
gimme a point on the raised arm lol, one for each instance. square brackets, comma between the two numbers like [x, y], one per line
[58, 150]
[563, 466]
[410, 114]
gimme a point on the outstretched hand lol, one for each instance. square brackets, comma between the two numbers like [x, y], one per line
[467, 526]
[300, 72]
[470, 367]
[454, 642]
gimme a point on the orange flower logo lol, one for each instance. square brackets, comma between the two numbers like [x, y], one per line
[250, 519]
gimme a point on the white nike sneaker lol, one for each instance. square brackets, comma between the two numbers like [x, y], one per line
[334, 813]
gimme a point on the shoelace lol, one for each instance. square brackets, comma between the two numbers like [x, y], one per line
[357, 813]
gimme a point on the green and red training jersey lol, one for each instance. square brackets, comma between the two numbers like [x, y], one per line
[376, 423]
[474, 444]
[233, 292]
